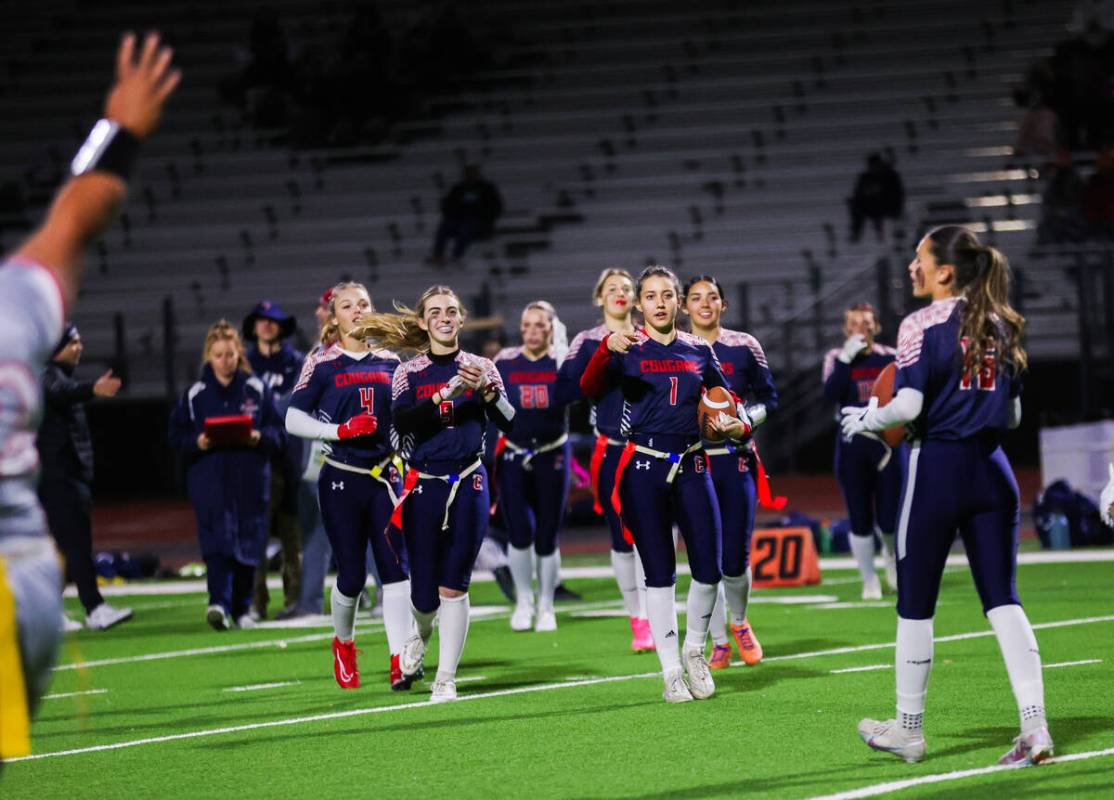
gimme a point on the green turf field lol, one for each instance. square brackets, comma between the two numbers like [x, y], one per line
[571, 714]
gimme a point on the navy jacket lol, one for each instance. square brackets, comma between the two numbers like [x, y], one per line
[229, 488]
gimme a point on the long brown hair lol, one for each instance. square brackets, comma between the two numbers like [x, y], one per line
[330, 331]
[400, 330]
[982, 276]
[223, 330]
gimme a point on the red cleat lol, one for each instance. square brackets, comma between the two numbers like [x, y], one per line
[344, 664]
[399, 681]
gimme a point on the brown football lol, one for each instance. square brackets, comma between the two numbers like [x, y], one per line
[715, 401]
[883, 389]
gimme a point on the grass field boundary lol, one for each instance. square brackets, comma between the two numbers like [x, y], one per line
[940, 777]
[489, 695]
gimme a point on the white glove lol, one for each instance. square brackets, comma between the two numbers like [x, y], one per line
[854, 345]
[857, 419]
[453, 389]
[1106, 500]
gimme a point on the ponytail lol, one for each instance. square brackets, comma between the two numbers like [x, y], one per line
[330, 331]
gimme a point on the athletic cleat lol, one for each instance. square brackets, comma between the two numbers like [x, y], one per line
[700, 677]
[721, 657]
[1029, 749]
[889, 737]
[70, 625]
[345, 669]
[891, 572]
[443, 690]
[748, 645]
[676, 690]
[642, 640]
[547, 621]
[410, 659]
[217, 617]
[399, 681]
[105, 616]
[523, 618]
[872, 589]
[245, 621]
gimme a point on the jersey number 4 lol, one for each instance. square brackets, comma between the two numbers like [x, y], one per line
[987, 373]
[533, 396]
[367, 399]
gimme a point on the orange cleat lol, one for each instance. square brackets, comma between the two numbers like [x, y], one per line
[748, 645]
[344, 664]
[721, 657]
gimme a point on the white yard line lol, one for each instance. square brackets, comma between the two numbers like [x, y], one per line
[259, 686]
[73, 694]
[869, 668]
[1074, 663]
[503, 693]
[941, 777]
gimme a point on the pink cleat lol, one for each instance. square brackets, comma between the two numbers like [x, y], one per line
[643, 640]
[1029, 749]
[721, 657]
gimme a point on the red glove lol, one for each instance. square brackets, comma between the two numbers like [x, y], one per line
[359, 425]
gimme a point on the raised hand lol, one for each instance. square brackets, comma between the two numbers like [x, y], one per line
[142, 85]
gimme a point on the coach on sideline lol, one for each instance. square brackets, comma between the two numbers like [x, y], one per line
[65, 486]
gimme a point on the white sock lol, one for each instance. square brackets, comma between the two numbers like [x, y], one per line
[737, 592]
[397, 619]
[624, 566]
[344, 615]
[717, 626]
[547, 580]
[888, 545]
[453, 632]
[521, 563]
[640, 585]
[661, 606]
[913, 662]
[424, 622]
[862, 547]
[1023, 662]
[701, 602]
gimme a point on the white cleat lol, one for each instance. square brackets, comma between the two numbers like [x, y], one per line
[1029, 749]
[443, 690]
[105, 616]
[523, 618]
[246, 621]
[676, 690]
[891, 572]
[410, 659]
[872, 589]
[547, 621]
[70, 625]
[889, 737]
[700, 675]
[217, 618]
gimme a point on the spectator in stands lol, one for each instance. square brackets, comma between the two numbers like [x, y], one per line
[1039, 134]
[1083, 70]
[267, 75]
[278, 364]
[1061, 202]
[228, 474]
[879, 195]
[66, 477]
[1098, 197]
[468, 213]
[1088, 13]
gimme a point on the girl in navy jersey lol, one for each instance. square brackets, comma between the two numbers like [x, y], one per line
[662, 478]
[869, 471]
[959, 366]
[533, 464]
[614, 294]
[343, 399]
[441, 402]
[734, 464]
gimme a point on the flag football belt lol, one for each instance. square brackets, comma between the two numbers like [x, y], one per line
[887, 451]
[603, 441]
[504, 443]
[375, 472]
[411, 480]
[628, 453]
[766, 497]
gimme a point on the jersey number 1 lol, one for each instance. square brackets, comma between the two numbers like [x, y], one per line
[672, 391]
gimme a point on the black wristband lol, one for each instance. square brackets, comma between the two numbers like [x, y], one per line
[108, 148]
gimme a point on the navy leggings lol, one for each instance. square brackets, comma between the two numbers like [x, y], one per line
[533, 497]
[733, 478]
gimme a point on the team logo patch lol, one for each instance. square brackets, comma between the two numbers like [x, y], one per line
[392, 473]
[249, 407]
[698, 464]
[478, 482]
[642, 465]
[743, 465]
[338, 485]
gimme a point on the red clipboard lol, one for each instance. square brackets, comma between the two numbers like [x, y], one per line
[232, 431]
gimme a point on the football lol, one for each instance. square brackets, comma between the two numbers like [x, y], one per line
[715, 401]
[884, 390]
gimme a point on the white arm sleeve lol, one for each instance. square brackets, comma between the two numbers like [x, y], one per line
[1015, 413]
[904, 408]
[757, 413]
[302, 425]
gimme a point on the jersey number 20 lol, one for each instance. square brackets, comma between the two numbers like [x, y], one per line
[533, 396]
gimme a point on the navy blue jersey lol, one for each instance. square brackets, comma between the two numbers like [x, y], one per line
[607, 411]
[744, 364]
[335, 386]
[851, 384]
[279, 370]
[662, 383]
[539, 396]
[459, 436]
[957, 404]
